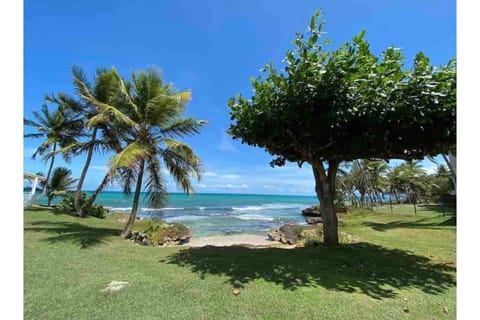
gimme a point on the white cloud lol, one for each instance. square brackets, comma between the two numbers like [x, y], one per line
[227, 186]
[230, 176]
[210, 174]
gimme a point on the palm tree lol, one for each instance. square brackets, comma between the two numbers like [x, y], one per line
[377, 177]
[60, 183]
[413, 177]
[95, 105]
[59, 129]
[156, 110]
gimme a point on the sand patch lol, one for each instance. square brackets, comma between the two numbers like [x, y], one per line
[246, 240]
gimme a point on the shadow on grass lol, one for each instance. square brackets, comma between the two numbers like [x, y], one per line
[451, 221]
[77, 233]
[361, 267]
[39, 208]
[447, 209]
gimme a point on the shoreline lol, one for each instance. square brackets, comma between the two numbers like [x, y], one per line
[245, 240]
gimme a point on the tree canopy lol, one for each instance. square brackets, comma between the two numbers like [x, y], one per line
[348, 104]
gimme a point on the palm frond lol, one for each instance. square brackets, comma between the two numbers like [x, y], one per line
[155, 184]
[33, 135]
[182, 163]
[183, 127]
[128, 157]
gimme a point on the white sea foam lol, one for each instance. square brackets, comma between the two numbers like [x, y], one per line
[254, 217]
[161, 209]
[184, 218]
[270, 206]
[248, 208]
[122, 209]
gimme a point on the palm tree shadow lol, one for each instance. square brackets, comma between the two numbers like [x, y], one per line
[77, 233]
[419, 224]
[361, 267]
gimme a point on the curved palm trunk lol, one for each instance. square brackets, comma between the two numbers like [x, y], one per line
[452, 167]
[78, 192]
[325, 189]
[49, 170]
[379, 197]
[93, 197]
[133, 214]
[396, 196]
[362, 199]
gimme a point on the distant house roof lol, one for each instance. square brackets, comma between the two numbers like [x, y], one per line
[31, 176]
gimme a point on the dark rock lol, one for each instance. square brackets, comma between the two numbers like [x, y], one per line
[314, 220]
[289, 233]
[313, 211]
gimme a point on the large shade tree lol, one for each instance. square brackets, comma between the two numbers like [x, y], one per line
[326, 107]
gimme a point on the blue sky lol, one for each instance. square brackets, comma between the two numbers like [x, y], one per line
[211, 48]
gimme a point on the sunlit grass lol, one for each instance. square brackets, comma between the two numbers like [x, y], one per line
[403, 261]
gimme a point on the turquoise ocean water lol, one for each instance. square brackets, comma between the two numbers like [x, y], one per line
[219, 214]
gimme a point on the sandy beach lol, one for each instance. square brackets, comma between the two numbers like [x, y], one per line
[236, 240]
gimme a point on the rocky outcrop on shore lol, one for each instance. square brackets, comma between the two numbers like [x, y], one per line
[314, 211]
[162, 235]
[291, 233]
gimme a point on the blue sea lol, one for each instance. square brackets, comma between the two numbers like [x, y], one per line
[219, 214]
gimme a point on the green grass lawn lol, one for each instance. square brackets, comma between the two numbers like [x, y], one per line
[403, 261]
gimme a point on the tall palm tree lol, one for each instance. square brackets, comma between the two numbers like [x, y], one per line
[377, 171]
[60, 183]
[156, 110]
[59, 129]
[97, 105]
[413, 177]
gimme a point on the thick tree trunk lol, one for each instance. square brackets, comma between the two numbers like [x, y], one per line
[133, 215]
[325, 189]
[44, 190]
[78, 192]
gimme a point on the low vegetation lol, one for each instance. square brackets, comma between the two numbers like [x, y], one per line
[402, 267]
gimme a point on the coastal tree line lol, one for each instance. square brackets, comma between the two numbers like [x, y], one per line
[367, 183]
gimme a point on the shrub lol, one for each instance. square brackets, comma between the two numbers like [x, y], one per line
[97, 211]
[67, 206]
